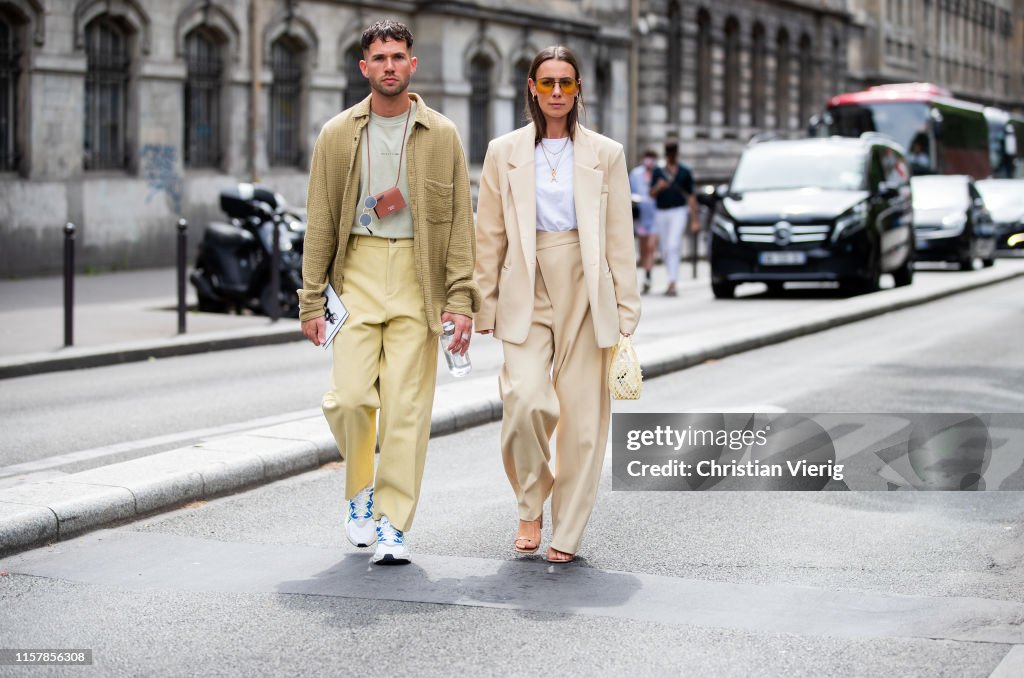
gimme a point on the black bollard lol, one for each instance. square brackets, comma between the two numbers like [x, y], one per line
[275, 271]
[182, 245]
[69, 283]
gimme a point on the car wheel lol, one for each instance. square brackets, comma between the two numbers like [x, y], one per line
[867, 283]
[988, 262]
[904, 275]
[775, 288]
[966, 259]
[725, 290]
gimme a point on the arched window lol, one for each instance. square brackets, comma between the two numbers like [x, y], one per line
[520, 74]
[757, 77]
[106, 94]
[703, 68]
[357, 87]
[731, 101]
[675, 61]
[205, 70]
[10, 72]
[806, 101]
[782, 84]
[285, 102]
[479, 107]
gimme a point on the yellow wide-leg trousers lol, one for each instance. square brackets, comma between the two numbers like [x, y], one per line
[385, 358]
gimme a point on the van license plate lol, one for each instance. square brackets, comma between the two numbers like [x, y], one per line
[782, 258]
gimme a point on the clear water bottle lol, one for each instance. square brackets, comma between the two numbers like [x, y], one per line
[458, 363]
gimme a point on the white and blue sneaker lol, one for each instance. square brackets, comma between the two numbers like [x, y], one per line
[360, 527]
[391, 548]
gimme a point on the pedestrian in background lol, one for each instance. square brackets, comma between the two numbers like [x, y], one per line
[672, 190]
[643, 224]
[557, 273]
[401, 271]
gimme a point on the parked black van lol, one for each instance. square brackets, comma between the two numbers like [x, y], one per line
[835, 209]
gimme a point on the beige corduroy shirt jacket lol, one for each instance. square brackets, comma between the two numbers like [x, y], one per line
[442, 212]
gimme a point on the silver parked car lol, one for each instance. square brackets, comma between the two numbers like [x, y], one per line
[1004, 198]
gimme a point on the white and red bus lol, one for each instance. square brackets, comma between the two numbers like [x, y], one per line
[941, 134]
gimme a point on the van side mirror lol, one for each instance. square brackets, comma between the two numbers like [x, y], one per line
[707, 195]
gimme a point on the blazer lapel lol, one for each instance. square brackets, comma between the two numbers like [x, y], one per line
[522, 181]
[586, 187]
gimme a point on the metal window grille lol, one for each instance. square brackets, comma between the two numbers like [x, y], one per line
[675, 61]
[806, 100]
[522, 74]
[479, 108]
[10, 70]
[704, 72]
[782, 84]
[757, 80]
[602, 82]
[106, 94]
[202, 101]
[357, 86]
[285, 104]
[731, 101]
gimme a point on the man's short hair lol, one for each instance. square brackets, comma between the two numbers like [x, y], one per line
[386, 29]
[650, 153]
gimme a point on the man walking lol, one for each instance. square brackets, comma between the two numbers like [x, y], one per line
[390, 227]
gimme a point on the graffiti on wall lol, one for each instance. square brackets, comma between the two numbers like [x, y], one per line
[159, 162]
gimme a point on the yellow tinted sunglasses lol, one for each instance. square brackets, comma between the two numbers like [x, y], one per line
[547, 85]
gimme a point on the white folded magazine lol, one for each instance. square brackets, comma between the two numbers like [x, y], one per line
[335, 314]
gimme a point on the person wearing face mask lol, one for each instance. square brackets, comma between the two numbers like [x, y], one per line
[557, 273]
[672, 190]
[643, 224]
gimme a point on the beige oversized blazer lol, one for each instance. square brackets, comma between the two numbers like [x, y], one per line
[506, 235]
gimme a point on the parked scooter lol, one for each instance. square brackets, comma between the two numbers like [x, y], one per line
[233, 269]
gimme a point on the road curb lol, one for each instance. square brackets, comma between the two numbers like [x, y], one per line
[37, 513]
[79, 358]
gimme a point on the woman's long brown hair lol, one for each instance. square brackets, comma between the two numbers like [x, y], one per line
[540, 124]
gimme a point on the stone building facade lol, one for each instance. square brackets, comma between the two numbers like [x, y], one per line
[717, 73]
[121, 115]
[971, 47]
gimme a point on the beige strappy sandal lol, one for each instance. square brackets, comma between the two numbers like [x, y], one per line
[524, 544]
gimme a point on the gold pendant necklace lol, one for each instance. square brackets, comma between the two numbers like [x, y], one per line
[558, 159]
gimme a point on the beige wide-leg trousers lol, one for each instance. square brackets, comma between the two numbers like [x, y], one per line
[384, 358]
[556, 379]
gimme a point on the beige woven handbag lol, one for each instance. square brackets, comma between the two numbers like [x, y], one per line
[625, 378]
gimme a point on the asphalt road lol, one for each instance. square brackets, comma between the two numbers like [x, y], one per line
[108, 414]
[712, 583]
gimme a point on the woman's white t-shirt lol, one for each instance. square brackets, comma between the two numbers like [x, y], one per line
[556, 208]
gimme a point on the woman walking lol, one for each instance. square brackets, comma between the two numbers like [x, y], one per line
[672, 190]
[556, 266]
[643, 223]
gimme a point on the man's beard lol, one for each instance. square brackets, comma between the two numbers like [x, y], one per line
[389, 90]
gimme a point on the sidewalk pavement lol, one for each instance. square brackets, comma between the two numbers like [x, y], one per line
[118, 317]
[36, 513]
